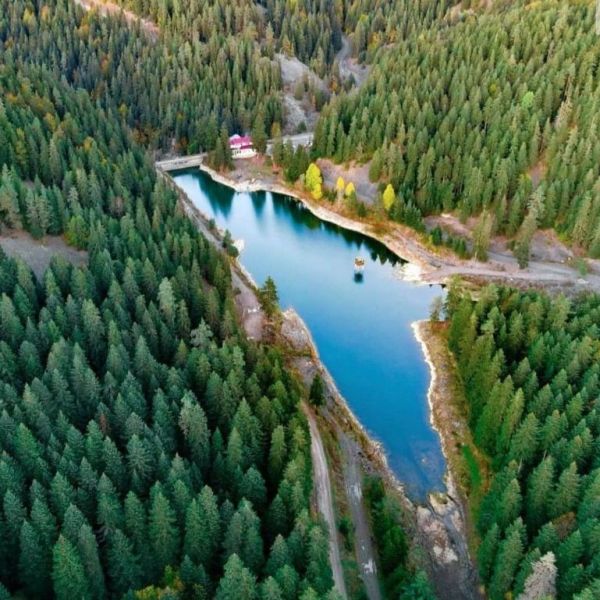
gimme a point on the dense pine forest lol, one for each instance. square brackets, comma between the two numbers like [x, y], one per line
[148, 449]
[144, 441]
[175, 91]
[531, 371]
[311, 30]
[489, 111]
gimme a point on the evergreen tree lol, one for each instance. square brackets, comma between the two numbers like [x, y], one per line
[316, 394]
[68, 574]
[237, 583]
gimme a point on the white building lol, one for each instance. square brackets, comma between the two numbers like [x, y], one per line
[241, 146]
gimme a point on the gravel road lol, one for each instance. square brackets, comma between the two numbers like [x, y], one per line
[365, 552]
[325, 500]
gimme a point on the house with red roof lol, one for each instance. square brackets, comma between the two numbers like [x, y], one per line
[241, 146]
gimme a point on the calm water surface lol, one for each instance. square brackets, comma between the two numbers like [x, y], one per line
[362, 329]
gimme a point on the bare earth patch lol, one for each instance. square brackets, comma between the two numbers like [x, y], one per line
[107, 8]
[298, 111]
[545, 246]
[350, 68]
[38, 253]
[354, 172]
[538, 172]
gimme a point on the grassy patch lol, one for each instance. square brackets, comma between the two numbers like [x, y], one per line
[475, 478]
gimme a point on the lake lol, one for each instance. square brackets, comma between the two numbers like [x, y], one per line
[362, 328]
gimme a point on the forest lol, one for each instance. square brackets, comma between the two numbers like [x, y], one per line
[169, 90]
[490, 112]
[311, 30]
[487, 113]
[211, 66]
[531, 373]
[148, 449]
[146, 445]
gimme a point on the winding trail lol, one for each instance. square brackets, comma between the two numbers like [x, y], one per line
[349, 67]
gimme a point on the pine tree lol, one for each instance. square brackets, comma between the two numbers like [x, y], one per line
[316, 394]
[277, 454]
[487, 552]
[540, 486]
[237, 583]
[482, 235]
[510, 553]
[34, 562]
[202, 528]
[259, 134]
[124, 567]
[162, 532]
[269, 297]
[90, 559]
[194, 426]
[68, 574]
[566, 493]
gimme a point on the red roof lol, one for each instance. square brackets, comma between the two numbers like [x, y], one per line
[240, 141]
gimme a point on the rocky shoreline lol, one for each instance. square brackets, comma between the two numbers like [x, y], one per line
[453, 552]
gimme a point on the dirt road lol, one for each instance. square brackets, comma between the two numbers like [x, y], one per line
[365, 552]
[349, 67]
[307, 365]
[325, 500]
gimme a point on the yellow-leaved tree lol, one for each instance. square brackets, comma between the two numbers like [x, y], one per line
[313, 181]
[389, 197]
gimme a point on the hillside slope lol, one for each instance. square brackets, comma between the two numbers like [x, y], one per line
[494, 112]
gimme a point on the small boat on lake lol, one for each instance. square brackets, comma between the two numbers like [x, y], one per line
[359, 267]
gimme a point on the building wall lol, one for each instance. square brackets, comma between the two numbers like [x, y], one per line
[243, 152]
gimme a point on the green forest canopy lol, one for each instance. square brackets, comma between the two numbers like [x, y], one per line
[531, 372]
[139, 430]
[458, 115]
[134, 415]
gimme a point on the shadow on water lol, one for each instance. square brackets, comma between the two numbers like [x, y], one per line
[361, 323]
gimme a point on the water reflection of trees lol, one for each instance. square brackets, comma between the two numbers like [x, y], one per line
[296, 213]
[219, 197]
[301, 217]
[259, 201]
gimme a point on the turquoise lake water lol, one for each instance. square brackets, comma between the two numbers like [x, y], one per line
[362, 328]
